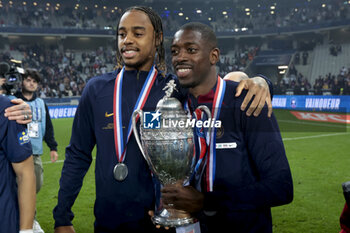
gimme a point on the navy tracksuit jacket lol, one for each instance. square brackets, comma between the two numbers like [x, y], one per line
[251, 177]
[119, 206]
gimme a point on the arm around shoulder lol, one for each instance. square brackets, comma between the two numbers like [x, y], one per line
[236, 76]
[259, 88]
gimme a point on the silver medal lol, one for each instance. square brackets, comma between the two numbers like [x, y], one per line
[120, 171]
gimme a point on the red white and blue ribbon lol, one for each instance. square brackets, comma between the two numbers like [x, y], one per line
[202, 144]
[120, 146]
[211, 159]
[205, 140]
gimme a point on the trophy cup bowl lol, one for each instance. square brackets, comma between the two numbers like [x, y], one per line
[168, 151]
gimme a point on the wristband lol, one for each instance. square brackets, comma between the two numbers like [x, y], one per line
[26, 231]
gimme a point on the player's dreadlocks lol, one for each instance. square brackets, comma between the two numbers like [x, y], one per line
[158, 29]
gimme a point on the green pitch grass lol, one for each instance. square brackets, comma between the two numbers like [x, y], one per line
[318, 154]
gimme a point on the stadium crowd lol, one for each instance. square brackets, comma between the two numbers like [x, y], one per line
[336, 84]
[221, 17]
[238, 61]
[64, 72]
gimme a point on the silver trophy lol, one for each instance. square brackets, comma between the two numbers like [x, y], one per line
[168, 150]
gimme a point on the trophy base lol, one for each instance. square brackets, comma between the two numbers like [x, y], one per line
[172, 218]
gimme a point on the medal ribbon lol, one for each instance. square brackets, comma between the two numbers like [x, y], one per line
[198, 114]
[201, 140]
[120, 146]
[211, 159]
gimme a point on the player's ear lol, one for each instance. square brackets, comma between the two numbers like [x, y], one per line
[214, 56]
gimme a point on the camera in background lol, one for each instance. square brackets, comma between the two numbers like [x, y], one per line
[12, 73]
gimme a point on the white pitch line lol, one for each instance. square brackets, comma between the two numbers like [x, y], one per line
[58, 161]
[314, 136]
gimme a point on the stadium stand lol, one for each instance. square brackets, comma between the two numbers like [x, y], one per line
[246, 18]
[325, 63]
[82, 39]
[65, 73]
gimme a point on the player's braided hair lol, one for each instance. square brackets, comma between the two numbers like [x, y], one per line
[158, 30]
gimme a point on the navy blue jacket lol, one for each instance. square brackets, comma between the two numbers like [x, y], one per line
[15, 147]
[251, 178]
[119, 206]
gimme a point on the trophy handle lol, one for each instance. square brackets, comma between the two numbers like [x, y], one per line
[139, 113]
[208, 113]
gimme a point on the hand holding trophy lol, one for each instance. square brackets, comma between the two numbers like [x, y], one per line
[168, 148]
